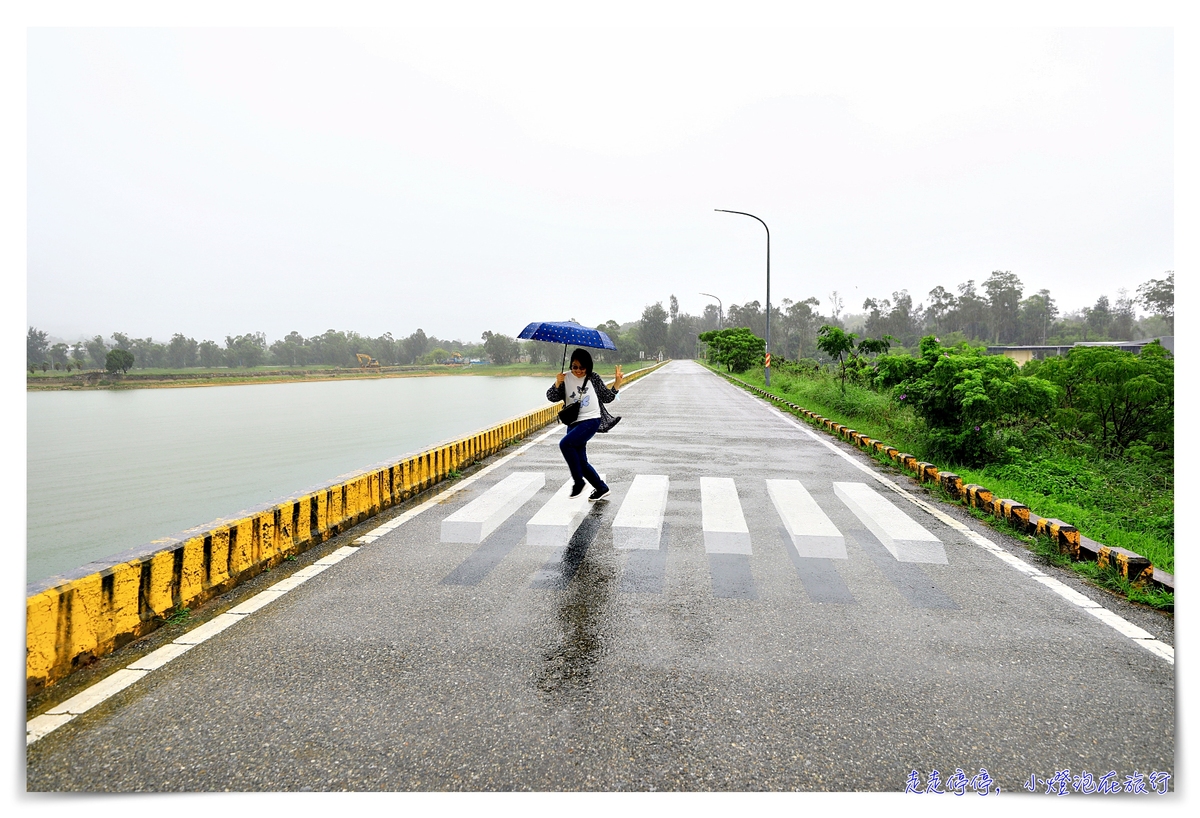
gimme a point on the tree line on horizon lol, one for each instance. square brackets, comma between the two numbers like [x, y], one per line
[995, 312]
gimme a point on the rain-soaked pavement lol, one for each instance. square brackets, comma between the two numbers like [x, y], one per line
[421, 665]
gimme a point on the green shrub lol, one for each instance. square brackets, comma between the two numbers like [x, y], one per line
[972, 402]
[737, 348]
[1114, 399]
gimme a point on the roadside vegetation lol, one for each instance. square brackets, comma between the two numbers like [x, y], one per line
[1087, 438]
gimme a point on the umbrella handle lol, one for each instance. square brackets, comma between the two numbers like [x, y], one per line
[563, 368]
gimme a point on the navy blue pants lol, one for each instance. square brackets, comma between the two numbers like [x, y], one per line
[574, 451]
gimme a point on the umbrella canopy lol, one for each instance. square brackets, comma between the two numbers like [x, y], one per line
[567, 332]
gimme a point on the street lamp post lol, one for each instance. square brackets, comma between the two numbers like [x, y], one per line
[767, 368]
[720, 311]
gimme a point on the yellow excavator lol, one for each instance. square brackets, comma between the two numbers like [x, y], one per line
[366, 361]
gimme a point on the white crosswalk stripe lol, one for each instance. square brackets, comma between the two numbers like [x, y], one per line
[483, 515]
[639, 521]
[724, 525]
[813, 534]
[556, 521]
[900, 534]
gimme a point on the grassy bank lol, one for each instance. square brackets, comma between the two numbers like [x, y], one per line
[1113, 501]
[174, 378]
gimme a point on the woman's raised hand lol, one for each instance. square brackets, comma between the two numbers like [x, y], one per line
[620, 378]
[558, 381]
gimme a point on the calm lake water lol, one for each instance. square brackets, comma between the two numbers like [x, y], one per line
[109, 471]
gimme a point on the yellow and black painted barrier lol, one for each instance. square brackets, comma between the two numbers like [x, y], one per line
[1133, 567]
[74, 618]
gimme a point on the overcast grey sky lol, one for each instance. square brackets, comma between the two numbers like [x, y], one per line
[222, 181]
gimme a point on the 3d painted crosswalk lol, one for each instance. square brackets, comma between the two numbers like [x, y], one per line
[900, 534]
[724, 524]
[812, 538]
[479, 518]
[555, 522]
[638, 523]
[813, 534]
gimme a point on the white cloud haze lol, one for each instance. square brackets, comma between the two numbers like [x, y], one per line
[223, 181]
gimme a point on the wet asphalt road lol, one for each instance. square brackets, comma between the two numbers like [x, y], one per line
[418, 665]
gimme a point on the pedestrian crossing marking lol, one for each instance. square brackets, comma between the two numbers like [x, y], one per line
[556, 521]
[813, 534]
[724, 525]
[639, 521]
[901, 535]
[483, 515]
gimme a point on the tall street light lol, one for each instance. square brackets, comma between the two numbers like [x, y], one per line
[720, 311]
[767, 368]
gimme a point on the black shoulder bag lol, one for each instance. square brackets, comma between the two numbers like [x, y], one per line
[570, 412]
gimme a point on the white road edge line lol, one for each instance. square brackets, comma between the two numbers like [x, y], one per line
[1113, 620]
[46, 723]
[40, 726]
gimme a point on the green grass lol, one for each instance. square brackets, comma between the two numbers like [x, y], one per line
[865, 411]
[1117, 506]
[176, 616]
[1108, 577]
[1111, 501]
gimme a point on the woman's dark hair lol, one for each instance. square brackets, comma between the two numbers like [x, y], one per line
[584, 357]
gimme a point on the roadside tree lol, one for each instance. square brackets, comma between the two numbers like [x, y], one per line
[609, 356]
[1158, 296]
[118, 360]
[247, 350]
[181, 352]
[97, 350]
[652, 329]
[36, 347]
[211, 355]
[838, 345]
[500, 349]
[736, 348]
[1003, 300]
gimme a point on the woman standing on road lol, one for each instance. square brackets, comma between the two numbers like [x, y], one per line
[583, 386]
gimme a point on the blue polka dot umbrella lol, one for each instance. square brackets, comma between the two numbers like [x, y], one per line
[567, 333]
